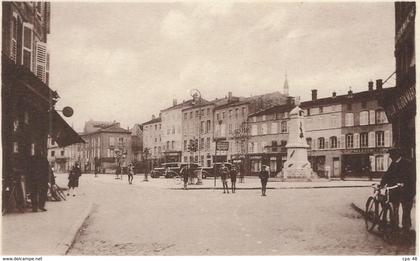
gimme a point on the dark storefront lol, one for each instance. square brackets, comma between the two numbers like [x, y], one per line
[172, 156]
[28, 117]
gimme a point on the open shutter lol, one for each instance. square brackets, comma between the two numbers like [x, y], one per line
[371, 139]
[387, 138]
[356, 143]
[13, 33]
[371, 117]
[386, 161]
[372, 163]
[27, 45]
[342, 141]
[41, 61]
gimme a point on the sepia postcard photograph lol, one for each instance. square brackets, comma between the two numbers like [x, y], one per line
[235, 129]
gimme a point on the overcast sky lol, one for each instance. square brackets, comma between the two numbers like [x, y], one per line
[127, 61]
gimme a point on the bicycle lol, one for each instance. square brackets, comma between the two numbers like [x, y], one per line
[57, 192]
[379, 211]
[11, 192]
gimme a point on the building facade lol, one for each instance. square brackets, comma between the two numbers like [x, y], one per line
[28, 113]
[137, 143]
[152, 142]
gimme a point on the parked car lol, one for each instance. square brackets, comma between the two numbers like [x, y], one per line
[211, 171]
[157, 172]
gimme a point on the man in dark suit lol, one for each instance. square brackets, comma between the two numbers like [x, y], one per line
[401, 171]
[38, 181]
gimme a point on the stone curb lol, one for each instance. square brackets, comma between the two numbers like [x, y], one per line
[66, 242]
[258, 188]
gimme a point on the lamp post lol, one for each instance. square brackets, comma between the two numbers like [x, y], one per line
[196, 94]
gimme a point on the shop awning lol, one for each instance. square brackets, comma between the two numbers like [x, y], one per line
[61, 132]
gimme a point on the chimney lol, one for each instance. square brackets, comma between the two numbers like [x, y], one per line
[174, 102]
[153, 117]
[334, 94]
[314, 94]
[379, 84]
[370, 85]
[229, 96]
[350, 93]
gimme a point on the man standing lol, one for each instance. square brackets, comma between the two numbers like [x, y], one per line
[224, 175]
[401, 171]
[39, 181]
[264, 179]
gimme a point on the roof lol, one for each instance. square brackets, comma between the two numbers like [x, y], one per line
[203, 103]
[156, 120]
[110, 129]
[365, 95]
[231, 104]
[274, 109]
[180, 105]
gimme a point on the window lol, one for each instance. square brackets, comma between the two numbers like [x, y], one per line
[236, 113]
[309, 141]
[230, 114]
[191, 114]
[381, 117]
[243, 111]
[380, 139]
[371, 117]
[185, 144]
[283, 126]
[321, 143]
[167, 145]
[364, 118]
[349, 106]
[202, 126]
[201, 143]
[223, 115]
[202, 112]
[120, 141]
[349, 120]
[27, 46]
[308, 112]
[208, 111]
[274, 128]
[208, 126]
[364, 140]
[111, 141]
[333, 142]
[349, 141]
[254, 130]
[379, 160]
[62, 153]
[52, 153]
[230, 128]
[208, 143]
[217, 116]
[263, 118]
[155, 127]
[263, 129]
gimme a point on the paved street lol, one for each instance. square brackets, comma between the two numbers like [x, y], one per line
[147, 218]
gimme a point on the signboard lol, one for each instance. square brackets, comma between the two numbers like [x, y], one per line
[407, 97]
[222, 145]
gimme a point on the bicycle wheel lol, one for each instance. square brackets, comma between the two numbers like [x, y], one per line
[60, 193]
[387, 226]
[371, 213]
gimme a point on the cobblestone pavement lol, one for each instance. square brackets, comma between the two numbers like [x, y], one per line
[147, 218]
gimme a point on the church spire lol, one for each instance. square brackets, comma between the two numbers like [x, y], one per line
[286, 87]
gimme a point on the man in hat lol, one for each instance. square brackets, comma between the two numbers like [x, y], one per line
[401, 171]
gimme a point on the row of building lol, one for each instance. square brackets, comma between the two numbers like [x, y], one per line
[348, 132]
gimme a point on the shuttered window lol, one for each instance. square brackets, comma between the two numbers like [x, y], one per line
[41, 61]
[27, 36]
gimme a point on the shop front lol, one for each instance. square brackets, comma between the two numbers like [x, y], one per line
[372, 162]
[172, 156]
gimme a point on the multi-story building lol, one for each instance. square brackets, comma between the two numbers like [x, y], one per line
[197, 127]
[137, 143]
[152, 141]
[231, 122]
[172, 129]
[269, 132]
[28, 113]
[58, 156]
[345, 133]
[400, 106]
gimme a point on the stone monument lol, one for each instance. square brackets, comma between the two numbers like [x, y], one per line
[297, 165]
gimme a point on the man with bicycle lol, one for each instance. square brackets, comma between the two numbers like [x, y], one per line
[401, 171]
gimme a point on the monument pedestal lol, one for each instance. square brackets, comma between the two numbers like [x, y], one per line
[297, 166]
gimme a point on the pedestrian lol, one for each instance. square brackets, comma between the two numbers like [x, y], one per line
[233, 173]
[130, 173]
[224, 175]
[184, 174]
[38, 181]
[264, 179]
[74, 176]
[402, 171]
